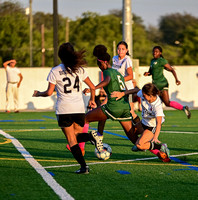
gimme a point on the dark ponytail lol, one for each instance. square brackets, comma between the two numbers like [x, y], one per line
[71, 59]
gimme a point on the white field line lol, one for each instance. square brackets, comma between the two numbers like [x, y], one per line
[186, 132]
[58, 189]
[57, 129]
[121, 161]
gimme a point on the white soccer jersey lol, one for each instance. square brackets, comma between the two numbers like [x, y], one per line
[121, 66]
[69, 89]
[151, 110]
[12, 74]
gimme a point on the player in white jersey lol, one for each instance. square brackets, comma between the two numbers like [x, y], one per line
[67, 79]
[152, 118]
[123, 64]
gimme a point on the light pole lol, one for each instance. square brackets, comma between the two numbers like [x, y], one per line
[127, 25]
[31, 38]
[55, 30]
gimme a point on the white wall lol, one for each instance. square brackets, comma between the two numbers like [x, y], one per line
[35, 78]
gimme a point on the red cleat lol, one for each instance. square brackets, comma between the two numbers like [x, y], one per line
[163, 157]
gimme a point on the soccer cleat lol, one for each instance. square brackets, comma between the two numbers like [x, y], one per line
[83, 170]
[100, 136]
[82, 149]
[187, 111]
[165, 149]
[163, 157]
[95, 140]
[164, 153]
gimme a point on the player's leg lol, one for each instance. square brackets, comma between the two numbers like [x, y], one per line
[101, 125]
[165, 98]
[95, 115]
[143, 142]
[82, 144]
[69, 133]
[8, 96]
[129, 130]
[16, 98]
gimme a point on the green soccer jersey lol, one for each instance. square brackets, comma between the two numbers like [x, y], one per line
[156, 70]
[120, 109]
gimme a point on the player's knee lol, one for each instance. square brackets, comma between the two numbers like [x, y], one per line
[139, 146]
[167, 103]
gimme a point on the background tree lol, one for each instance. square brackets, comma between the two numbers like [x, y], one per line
[177, 34]
[14, 37]
[173, 26]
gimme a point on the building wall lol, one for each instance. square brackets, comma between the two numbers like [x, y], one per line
[35, 79]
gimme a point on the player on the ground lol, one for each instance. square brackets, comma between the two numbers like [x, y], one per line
[152, 118]
[158, 64]
[66, 79]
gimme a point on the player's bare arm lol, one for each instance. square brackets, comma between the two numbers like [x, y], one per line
[46, 93]
[168, 67]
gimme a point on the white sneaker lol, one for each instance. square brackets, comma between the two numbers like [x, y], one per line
[96, 141]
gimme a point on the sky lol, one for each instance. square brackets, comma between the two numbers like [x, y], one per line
[149, 10]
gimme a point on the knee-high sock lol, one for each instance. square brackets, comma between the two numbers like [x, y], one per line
[78, 155]
[154, 151]
[176, 105]
[85, 130]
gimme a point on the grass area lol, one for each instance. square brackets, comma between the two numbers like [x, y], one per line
[126, 175]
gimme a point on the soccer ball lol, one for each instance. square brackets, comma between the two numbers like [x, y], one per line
[105, 154]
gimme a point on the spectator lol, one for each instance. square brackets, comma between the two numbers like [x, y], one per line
[14, 78]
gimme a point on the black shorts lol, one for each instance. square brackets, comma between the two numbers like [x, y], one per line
[66, 120]
[152, 129]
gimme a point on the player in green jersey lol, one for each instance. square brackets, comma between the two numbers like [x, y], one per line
[115, 110]
[158, 64]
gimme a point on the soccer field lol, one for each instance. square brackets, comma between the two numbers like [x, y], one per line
[35, 163]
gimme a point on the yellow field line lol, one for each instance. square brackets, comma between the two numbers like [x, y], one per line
[6, 141]
[40, 160]
[128, 163]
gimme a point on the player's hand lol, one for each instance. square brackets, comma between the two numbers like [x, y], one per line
[155, 140]
[119, 95]
[86, 90]
[178, 82]
[35, 94]
[146, 73]
[14, 61]
[92, 104]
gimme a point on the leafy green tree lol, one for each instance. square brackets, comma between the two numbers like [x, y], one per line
[13, 33]
[173, 26]
[189, 46]
[92, 29]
